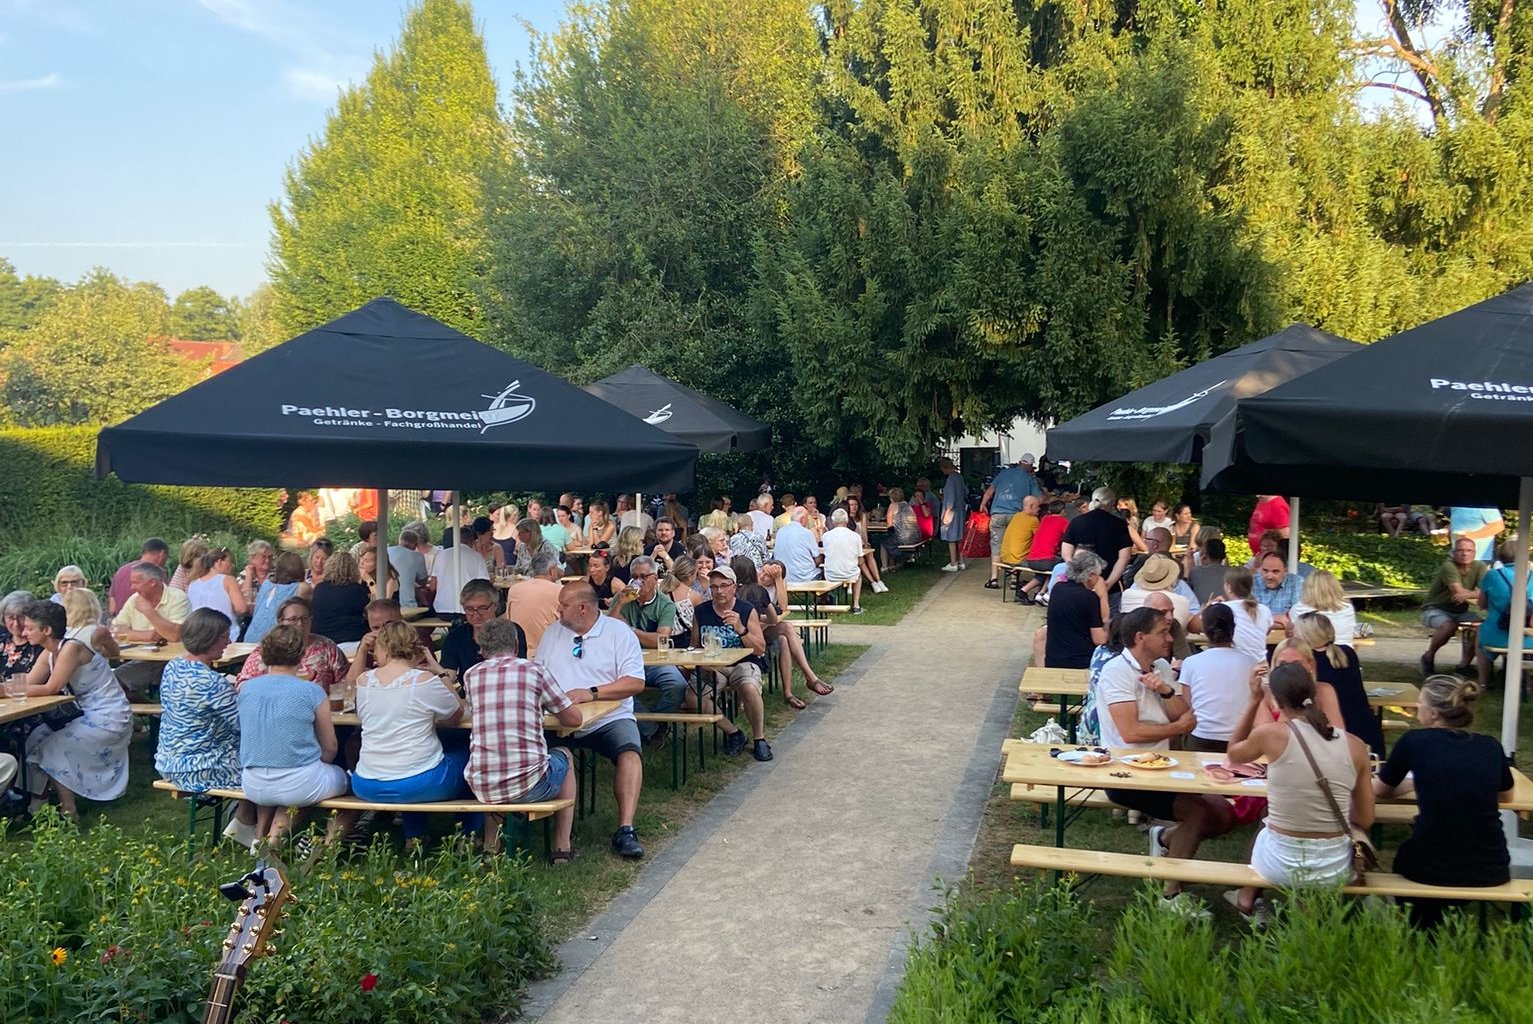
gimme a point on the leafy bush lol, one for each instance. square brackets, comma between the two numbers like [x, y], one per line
[1407, 561]
[96, 926]
[1027, 956]
[48, 488]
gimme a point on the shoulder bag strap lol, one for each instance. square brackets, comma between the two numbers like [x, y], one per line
[1330, 798]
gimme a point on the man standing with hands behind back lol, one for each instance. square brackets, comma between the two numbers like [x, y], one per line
[1140, 707]
[595, 657]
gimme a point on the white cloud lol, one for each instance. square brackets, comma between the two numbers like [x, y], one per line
[306, 84]
[48, 81]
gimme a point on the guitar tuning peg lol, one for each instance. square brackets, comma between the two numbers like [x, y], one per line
[269, 949]
[228, 943]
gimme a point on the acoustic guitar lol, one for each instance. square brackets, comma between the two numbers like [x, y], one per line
[262, 894]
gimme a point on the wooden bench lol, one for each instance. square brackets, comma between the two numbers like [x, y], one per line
[1013, 576]
[681, 723]
[1230, 876]
[214, 799]
[813, 631]
[913, 552]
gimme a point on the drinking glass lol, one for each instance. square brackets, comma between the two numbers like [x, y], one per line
[711, 644]
[16, 687]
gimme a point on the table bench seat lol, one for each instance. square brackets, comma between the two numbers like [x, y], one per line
[1228, 875]
[1384, 814]
[681, 723]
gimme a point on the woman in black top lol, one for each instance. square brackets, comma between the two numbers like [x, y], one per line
[1459, 778]
[1337, 664]
[340, 601]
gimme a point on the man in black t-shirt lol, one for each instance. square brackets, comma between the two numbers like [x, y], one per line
[460, 647]
[1077, 616]
[1102, 531]
[734, 623]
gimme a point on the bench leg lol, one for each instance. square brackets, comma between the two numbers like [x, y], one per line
[675, 767]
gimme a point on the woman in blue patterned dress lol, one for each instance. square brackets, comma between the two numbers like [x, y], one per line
[199, 745]
[89, 756]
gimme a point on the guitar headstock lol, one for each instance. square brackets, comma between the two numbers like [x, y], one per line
[262, 894]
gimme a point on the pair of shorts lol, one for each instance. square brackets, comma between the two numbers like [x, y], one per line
[1288, 861]
[1161, 806]
[610, 741]
[746, 673]
[547, 788]
[998, 523]
[1041, 564]
[1206, 746]
[1433, 618]
[294, 787]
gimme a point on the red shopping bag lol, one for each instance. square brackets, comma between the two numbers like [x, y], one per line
[976, 537]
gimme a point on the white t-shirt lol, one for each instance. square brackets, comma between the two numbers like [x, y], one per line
[1118, 683]
[608, 652]
[1218, 686]
[1251, 631]
[843, 550]
[1343, 620]
[761, 523]
[399, 724]
[447, 582]
[1151, 523]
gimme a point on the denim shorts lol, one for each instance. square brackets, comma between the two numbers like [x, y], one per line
[547, 788]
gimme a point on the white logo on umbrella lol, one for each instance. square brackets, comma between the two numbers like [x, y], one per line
[506, 407]
[1145, 412]
[660, 415]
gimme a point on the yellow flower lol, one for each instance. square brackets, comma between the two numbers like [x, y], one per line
[60, 954]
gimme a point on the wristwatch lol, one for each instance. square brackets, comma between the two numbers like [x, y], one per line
[1167, 695]
[593, 692]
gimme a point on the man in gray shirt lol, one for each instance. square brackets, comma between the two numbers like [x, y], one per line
[411, 566]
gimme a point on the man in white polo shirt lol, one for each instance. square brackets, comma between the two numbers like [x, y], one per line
[1140, 707]
[596, 657]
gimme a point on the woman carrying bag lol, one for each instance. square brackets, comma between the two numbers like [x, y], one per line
[1319, 786]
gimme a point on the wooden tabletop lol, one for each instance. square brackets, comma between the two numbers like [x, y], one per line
[591, 711]
[233, 655]
[815, 586]
[12, 709]
[696, 658]
[1030, 764]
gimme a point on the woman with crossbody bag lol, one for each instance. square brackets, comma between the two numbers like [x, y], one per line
[1496, 596]
[1319, 787]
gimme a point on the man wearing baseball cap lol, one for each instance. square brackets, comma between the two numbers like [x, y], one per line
[1003, 499]
[735, 623]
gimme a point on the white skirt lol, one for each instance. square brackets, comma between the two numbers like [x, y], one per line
[1291, 862]
[293, 787]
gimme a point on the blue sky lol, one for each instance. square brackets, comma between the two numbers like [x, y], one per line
[163, 127]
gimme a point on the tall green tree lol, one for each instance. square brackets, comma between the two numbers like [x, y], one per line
[22, 299]
[389, 200]
[201, 314]
[95, 357]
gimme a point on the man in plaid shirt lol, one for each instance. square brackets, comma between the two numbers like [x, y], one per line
[508, 760]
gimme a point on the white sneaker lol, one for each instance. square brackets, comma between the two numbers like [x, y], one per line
[880, 587]
[963, 565]
[241, 833]
[1185, 906]
[951, 567]
[1156, 849]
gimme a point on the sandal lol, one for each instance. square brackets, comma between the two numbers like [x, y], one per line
[562, 857]
[796, 703]
[821, 689]
[992, 584]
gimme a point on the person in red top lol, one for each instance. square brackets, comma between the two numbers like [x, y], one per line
[1043, 555]
[508, 759]
[1271, 513]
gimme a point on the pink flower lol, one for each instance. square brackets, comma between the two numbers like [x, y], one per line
[369, 981]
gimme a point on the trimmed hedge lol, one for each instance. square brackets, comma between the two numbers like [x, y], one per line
[48, 487]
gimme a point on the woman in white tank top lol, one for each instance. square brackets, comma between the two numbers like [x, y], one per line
[216, 588]
[1302, 842]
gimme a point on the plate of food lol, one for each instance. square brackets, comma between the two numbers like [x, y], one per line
[1086, 758]
[1150, 760]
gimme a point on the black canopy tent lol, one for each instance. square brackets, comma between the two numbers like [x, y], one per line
[388, 397]
[1442, 413]
[678, 410]
[1173, 419]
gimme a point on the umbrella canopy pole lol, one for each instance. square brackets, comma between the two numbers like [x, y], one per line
[457, 544]
[638, 513]
[1293, 536]
[381, 539]
[1521, 849]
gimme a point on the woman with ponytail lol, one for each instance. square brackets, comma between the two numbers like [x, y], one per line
[1459, 777]
[1337, 665]
[1252, 618]
[1302, 842]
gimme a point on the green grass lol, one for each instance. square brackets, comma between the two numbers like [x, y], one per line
[907, 586]
[568, 895]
